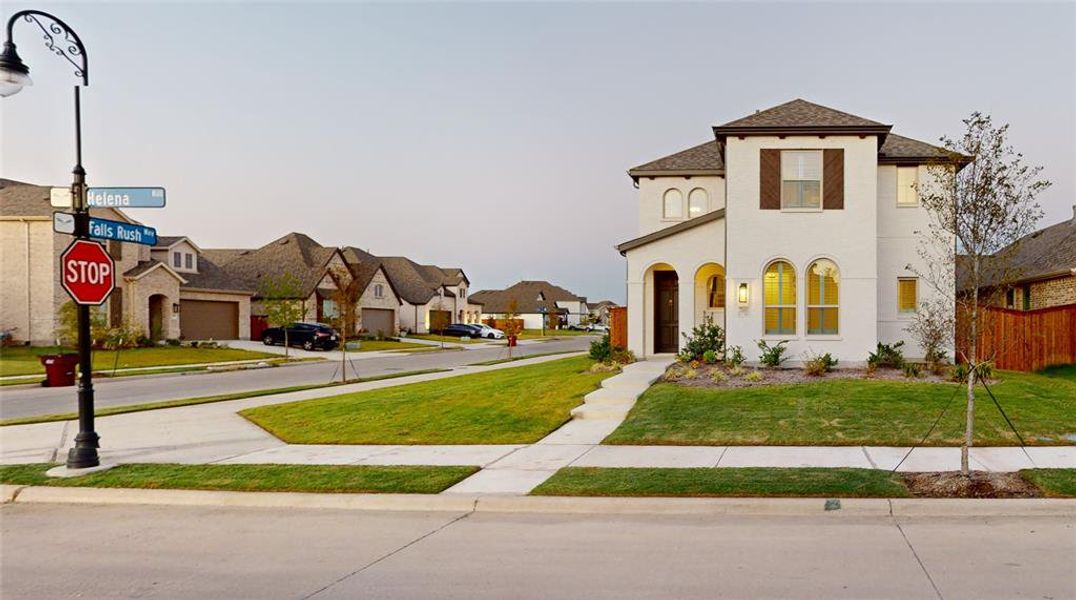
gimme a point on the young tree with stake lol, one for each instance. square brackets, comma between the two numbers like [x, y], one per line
[345, 296]
[975, 212]
[284, 304]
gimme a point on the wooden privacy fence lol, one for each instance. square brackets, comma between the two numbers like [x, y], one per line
[502, 324]
[1024, 340]
[618, 327]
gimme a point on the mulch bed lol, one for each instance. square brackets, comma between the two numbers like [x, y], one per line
[778, 376]
[978, 484]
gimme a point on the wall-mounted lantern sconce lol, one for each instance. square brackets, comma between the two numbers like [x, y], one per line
[175, 307]
[742, 294]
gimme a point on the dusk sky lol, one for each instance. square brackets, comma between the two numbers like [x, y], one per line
[495, 137]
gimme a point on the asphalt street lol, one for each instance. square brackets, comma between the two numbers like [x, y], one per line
[24, 401]
[94, 551]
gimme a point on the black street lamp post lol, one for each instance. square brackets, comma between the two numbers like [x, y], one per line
[14, 75]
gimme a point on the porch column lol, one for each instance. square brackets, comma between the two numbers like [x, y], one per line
[637, 308]
[686, 309]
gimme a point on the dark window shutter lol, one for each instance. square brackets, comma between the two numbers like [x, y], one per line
[769, 183]
[833, 179]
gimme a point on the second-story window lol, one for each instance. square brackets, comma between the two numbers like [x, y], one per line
[188, 260]
[907, 194]
[801, 179]
[177, 259]
[672, 204]
[698, 202]
[379, 291]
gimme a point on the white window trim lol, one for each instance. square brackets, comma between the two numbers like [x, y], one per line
[808, 306]
[916, 190]
[705, 204]
[908, 314]
[683, 205]
[821, 181]
[766, 335]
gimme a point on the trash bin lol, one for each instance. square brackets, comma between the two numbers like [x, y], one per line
[59, 369]
[512, 341]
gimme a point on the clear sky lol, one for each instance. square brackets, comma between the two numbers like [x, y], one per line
[495, 137]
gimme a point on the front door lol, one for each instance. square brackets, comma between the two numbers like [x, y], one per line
[666, 315]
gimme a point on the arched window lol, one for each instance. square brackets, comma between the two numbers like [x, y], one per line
[823, 283]
[779, 286]
[698, 203]
[673, 204]
[715, 291]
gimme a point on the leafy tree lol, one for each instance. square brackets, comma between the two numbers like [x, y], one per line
[284, 302]
[979, 211]
[512, 326]
[67, 324]
[345, 295]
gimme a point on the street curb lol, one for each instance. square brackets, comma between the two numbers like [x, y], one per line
[855, 507]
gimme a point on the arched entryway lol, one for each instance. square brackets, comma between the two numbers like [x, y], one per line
[710, 294]
[666, 302]
[157, 305]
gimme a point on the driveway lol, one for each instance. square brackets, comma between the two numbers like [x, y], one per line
[23, 401]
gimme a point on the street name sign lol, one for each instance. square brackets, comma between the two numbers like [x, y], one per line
[125, 197]
[60, 197]
[63, 222]
[105, 229]
[87, 272]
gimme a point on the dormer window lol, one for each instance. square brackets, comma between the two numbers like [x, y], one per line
[188, 260]
[801, 179]
[177, 260]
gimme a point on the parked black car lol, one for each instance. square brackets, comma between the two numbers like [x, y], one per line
[308, 335]
[461, 330]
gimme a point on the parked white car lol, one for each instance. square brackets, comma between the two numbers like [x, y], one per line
[597, 327]
[490, 333]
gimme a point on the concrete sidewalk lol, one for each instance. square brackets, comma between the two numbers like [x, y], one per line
[215, 433]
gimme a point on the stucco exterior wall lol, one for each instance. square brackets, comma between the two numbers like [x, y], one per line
[899, 256]
[652, 192]
[847, 237]
[686, 253]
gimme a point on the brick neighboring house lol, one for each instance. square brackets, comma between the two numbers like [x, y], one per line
[161, 300]
[1039, 270]
[531, 297]
[429, 295]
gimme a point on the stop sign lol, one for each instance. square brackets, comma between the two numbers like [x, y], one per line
[87, 272]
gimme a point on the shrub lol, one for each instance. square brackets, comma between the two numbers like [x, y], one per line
[959, 373]
[754, 376]
[622, 356]
[172, 341]
[717, 376]
[737, 371]
[772, 356]
[912, 370]
[690, 373]
[673, 374]
[709, 357]
[986, 370]
[820, 364]
[600, 367]
[735, 356]
[887, 356]
[601, 350]
[704, 337]
[124, 336]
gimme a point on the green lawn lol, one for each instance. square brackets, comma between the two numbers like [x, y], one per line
[808, 482]
[253, 478]
[518, 405]
[22, 360]
[1057, 483]
[499, 361]
[130, 408]
[530, 334]
[851, 412]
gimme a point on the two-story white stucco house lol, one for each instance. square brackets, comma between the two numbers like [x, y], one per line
[795, 223]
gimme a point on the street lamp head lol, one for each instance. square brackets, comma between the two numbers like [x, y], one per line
[14, 74]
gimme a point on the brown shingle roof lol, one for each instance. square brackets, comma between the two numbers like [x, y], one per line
[295, 253]
[898, 148]
[801, 113]
[1044, 254]
[525, 293]
[20, 199]
[704, 159]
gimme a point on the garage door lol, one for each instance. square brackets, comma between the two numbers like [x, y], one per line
[207, 319]
[378, 321]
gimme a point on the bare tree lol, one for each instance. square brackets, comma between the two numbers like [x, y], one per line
[284, 304]
[977, 213]
[345, 295]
